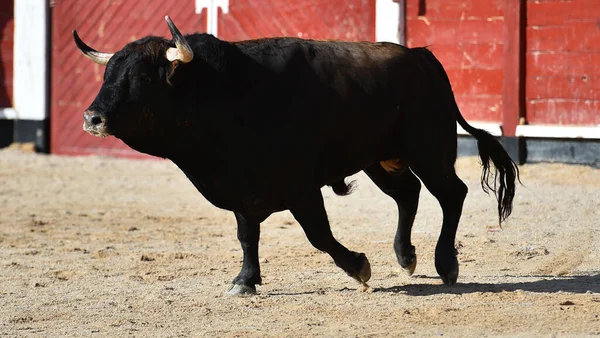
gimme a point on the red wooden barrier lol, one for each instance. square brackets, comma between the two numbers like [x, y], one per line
[563, 62]
[467, 37]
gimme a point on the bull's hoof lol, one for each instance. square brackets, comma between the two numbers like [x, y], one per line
[406, 258]
[364, 274]
[410, 268]
[446, 264]
[240, 290]
[450, 278]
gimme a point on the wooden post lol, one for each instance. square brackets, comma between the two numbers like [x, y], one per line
[401, 21]
[513, 93]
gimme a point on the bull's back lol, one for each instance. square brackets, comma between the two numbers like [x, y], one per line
[338, 84]
[335, 102]
[346, 67]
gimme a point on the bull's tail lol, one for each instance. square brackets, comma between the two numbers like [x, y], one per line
[502, 179]
[505, 173]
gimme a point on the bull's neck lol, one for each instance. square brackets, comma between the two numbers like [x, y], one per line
[168, 141]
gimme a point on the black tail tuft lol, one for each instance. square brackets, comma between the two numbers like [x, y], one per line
[342, 189]
[500, 179]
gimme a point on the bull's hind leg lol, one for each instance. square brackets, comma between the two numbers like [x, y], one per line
[309, 211]
[248, 234]
[404, 187]
[450, 192]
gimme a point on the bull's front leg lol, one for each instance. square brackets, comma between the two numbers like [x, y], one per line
[248, 233]
[309, 210]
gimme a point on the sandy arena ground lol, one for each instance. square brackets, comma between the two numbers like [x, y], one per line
[93, 246]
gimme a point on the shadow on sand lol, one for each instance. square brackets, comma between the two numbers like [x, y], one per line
[573, 284]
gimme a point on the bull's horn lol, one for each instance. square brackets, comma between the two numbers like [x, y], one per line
[90, 53]
[183, 52]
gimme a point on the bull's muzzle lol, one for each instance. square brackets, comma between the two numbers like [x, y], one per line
[94, 124]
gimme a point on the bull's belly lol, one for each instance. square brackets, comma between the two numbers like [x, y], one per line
[262, 183]
[239, 193]
[343, 159]
[337, 168]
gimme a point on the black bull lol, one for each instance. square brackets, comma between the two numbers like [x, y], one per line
[260, 126]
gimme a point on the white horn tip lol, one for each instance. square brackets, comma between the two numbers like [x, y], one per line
[167, 18]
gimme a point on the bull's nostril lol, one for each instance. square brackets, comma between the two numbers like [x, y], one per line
[96, 120]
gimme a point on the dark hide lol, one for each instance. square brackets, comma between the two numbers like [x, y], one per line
[260, 126]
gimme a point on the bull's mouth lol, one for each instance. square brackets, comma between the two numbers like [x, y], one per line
[97, 130]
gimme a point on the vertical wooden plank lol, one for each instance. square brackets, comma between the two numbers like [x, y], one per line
[387, 21]
[513, 93]
[402, 22]
[30, 82]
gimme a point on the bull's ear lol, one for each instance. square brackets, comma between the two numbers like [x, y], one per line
[183, 52]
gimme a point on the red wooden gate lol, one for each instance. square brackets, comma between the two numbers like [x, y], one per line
[109, 24]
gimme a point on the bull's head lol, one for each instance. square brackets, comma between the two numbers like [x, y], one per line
[136, 83]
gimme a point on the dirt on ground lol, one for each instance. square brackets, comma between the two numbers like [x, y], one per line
[95, 246]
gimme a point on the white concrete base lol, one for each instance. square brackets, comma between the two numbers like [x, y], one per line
[555, 131]
[8, 113]
[493, 128]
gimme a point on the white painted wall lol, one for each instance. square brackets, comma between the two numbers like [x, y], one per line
[212, 14]
[30, 65]
[387, 21]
